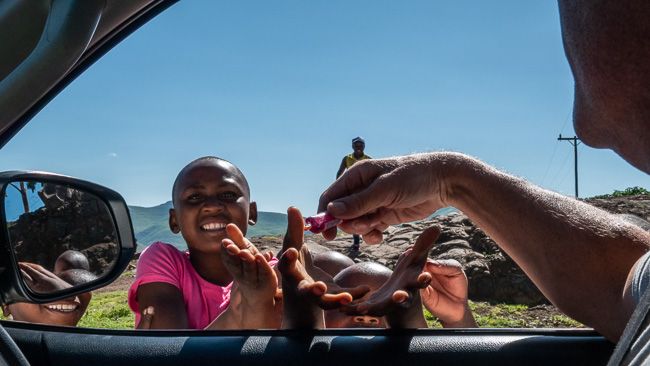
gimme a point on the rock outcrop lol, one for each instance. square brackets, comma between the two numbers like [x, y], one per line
[68, 220]
[492, 274]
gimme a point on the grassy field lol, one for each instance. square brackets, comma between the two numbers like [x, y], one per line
[490, 315]
[109, 310]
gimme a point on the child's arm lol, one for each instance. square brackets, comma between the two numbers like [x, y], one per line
[252, 302]
[446, 295]
[167, 299]
[399, 299]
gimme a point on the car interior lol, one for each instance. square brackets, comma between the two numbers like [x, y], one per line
[44, 46]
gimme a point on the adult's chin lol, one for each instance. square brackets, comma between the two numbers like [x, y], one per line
[623, 132]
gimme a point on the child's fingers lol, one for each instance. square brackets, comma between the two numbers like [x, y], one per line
[355, 292]
[430, 298]
[334, 301]
[313, 289]
[279, 295]
[235, 235]
[403, 255]
[264, 270]
[289, 268]
[230, 258]
[287, 262]
[425, 242]
[31, 271]
[400, 296]
[146, 318]
[424, 279]
[231, 248]
[27, 278]
[247, 256]
[295, 230]
[249, 266]
[355, 308]
[444, 267]
[238, 239]
[268, 255]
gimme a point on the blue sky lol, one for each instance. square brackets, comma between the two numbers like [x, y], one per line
[280, 88]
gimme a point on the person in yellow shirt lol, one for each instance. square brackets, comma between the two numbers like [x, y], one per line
[358, 146]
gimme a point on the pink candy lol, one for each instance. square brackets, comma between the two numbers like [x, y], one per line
[321, 222]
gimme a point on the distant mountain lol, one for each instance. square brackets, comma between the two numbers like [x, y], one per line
[151, 224]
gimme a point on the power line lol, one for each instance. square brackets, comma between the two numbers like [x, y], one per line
[549, 163]
[553, 154]
[557, 174]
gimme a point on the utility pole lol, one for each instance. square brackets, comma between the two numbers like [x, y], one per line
[575, 142]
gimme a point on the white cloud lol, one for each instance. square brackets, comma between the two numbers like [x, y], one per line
[112, 155]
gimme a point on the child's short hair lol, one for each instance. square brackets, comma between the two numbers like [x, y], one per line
[201, 160]
[363, 273]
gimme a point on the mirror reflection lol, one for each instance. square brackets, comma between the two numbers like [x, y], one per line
[61, 236]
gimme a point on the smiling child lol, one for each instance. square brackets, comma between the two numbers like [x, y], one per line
[66, 312]
[189, 290]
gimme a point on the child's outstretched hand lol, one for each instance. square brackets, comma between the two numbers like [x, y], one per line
[304, 297]
[40, 279]
[335, 295]
[249, 268]
[446, 295]
[256, 281]
[399, 298]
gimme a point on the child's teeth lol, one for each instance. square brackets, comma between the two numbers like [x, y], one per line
[213, 226]
[62, 307]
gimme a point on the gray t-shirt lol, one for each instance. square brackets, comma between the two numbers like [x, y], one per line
[634, 346]
[641, 278]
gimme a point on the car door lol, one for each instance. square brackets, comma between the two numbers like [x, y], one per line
[66, 37]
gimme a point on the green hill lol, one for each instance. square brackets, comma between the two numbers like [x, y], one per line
[150, 224]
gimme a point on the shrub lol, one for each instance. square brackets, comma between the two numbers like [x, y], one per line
[630, 191]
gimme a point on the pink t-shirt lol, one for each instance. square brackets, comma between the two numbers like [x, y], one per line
[161, 262]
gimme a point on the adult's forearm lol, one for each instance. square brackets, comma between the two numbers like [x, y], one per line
[579, 256]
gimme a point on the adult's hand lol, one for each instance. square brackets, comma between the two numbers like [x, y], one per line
[374, 194]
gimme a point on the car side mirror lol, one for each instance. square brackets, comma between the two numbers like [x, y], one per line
[61, 236]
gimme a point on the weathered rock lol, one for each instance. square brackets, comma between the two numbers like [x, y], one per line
[68, 220]
[491, 273]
